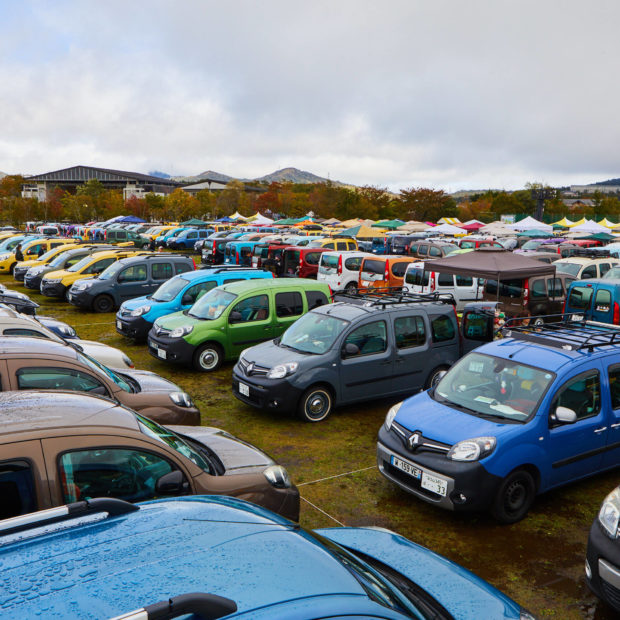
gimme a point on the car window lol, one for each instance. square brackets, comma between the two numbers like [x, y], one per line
[614, 385]
[413, 248]
[99, 265]
[341, 245]
[409, 331]
[289, 304]
[16, 489]
[604, 268]
[192, 235]
[602, 300]
[254, 308]
[161, 271]
[315, 299]
[111, 472]
[22, 331]
[353, 264]
[464, 281]
[579, 297]
[370, 338]
[554, 287]
[589, 272]
[351, 245]
[199, 289]
[582, 394]
[423, 250]
[182, 268]
[445, 279]
[50, 378]
[135, 273]
[312, 258]
[442, 328]
[538, 289]
[398, 269]
[434, 251]
[478, 326]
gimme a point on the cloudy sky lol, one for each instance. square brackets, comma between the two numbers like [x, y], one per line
[398, 93]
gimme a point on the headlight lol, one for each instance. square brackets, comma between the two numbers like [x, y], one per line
[182, 399]
[67, 331]
[52, 280]
[472, 449]
[526, 615]
[179, 332]
[278, 477]
[140, 311]
[391, 414]
[282, 370]
[609, 514]
[5, 256]
[127, 361]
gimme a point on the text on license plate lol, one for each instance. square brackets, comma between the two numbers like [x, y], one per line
[244, 389]
[406, 467]
[119, 325]
[435, 484]
[160, 352]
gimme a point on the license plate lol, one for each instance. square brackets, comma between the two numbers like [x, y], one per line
[244, 389]
[161, 353]
[434, 484]
[119, 325]
[70, 296]
[576, 317]
[406, 467]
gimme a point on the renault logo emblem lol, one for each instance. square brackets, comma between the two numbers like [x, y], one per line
[414, 441]
[250, 368]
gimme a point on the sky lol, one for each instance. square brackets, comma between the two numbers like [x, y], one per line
[397, 94]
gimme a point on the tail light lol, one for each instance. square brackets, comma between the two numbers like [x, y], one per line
[194, 262]
[526, 292]
[386, 275]
[340, 265]
[105, 234]
[214, 247]
[432, 281]
[564, 306]
[616, 313]
[237, 258]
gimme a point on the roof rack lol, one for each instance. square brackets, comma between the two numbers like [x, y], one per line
[592, 252]
[224, 268]
[563, 331]
[392, 295]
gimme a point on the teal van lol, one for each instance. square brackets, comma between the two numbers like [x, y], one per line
[598, 299]
[232, 317]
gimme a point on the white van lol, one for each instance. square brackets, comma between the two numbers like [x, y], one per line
[341, 270]
[463, 288]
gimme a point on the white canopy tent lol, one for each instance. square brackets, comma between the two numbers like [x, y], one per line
[589, 226]
[446, 229]
[259, 219]
[530, 223]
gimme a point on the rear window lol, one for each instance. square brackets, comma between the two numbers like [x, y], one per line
[434, 251]
[445, 279]
[602, 301]
[398, 269]
[579, 298]
[328, 263]
[375, 267]
[442, 328]
[353, 263]
[507, 288]
[312, 258]
[316, 299]
[417, 277]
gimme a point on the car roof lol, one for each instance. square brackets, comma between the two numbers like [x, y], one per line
[26, 410]
[25, 346]
[278, 283]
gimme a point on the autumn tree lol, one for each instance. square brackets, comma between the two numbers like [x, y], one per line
[207, 202]
[378, 201]
[423, 204]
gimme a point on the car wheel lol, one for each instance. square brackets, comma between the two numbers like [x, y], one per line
[538, 322]
[208, 357]
[350, 288]
[514, 497]
[12, 268]
[315, 405]
[103, 303]
[435, 377]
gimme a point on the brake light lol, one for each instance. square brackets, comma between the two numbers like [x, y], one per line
[526, 292]
[564, 306]
[214, 247]
[105, 234]
[237, 257]
[340, 265]
[194, 263]
[616, 313]
[432, 281]
[386, 275]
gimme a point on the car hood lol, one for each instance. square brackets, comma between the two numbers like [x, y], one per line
[178, 319]
[443, 423]
[462, 593]
[268, 354]
[148, 381]
[237, 456]
[132, 304]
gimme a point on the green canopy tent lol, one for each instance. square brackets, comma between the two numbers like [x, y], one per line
[349, 232]
[194, 222]
[602, 236]
[535, 234]
[391, 224]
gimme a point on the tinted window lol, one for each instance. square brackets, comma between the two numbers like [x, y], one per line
[614, 386]
[554, 287]
[464, 281]
[111, 472]
[196, 291]
[370, 338]
[312, 258]
[507, 288]
[539, 289]
[58, 379]
[182, 267]
[289, 304]
[445, 279]
[604, 268]
[589, 272]
[478, 326]
[398, 269]
[442, 328]
[135, 273]
[315, 299]
[582, 394]
[423, 250]
[251, 309]
[16, 489]
[413, 248]
[100, 265]
[602, 301]
[353, 264]
[22, 331]
[192, 235]
[161, 271]
[433, 251]
[373, 267]
[409, 331]
[579, 298]
[351, 245]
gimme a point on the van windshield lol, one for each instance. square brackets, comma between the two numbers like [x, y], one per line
[211, 305]
[487, 386]
[572, 269]
[313, 333]
[169, 289]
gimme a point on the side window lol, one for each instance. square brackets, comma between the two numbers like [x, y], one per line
[464, 281]
[445, 279]
[370, 338]
[312, 258]
[353, 264]
[433, 251]
[161, 271]
[72, 261]
[554, 287]
[99, 266]
[316, 299]
[46, 378]
[341, 245]
[202, 234]
[478, 326]
[229, 280]
[614, 386]
[192, 235]
[198, 290]
[131, 475]
[289, 304]
[351, 245]
[135, 273]
[398, 269]
[423, 250]
[413, 248]
[409, 331]
[589, 272]
[582, 394]
[442, 328]
[602, 301]
[330, 246]
[22, 331]
[539, 289]
[251, 309]
[604, 268]
[16, 489]
[182, 268]
[121, 235]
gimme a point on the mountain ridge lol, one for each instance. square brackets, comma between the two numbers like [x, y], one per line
[284, 175]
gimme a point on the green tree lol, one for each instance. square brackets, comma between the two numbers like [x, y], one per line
[423, 204]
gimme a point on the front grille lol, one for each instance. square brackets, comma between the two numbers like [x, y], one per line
[162, 331]
[251, 369]
[612, 594]
[416, 442]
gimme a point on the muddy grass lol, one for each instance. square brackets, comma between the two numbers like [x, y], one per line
[538, 562]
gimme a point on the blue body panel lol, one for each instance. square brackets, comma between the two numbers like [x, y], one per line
[596, 311]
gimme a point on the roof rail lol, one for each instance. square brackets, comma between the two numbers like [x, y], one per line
[114, 507]
[224, 268]
[563, 331]
[206, 606]
[392, 295]
[596, 252]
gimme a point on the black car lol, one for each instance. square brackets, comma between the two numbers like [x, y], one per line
[350, 352]
[431, 249]
[603, 555]
[127, 278]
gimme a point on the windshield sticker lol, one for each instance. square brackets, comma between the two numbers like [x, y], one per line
[476, 367]
[485, 399]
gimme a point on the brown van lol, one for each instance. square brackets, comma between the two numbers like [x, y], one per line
[38, 364]
[62, 447]
[384, 271]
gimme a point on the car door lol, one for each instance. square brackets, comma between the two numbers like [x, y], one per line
[611, 456]
[132, 282]
[602, 308]
[160, 272]
[411, 337]
[250, 321]
[576, 450]
[289, 307]
[366, 372]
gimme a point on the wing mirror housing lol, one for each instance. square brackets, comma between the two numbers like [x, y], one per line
[350, 350]
[170, 483]
[564, 415]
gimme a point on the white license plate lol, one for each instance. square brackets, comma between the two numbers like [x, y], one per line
[406, 467]
[70, 296]
[576, 317]
[244, 389]
[161, 353]
[119, 325]
[434, 484]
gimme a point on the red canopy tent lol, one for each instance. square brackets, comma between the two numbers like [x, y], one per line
[472, 226]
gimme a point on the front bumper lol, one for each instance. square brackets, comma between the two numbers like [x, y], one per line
[469, 486]
[81, 299]
[19, 273]
[135, 327]
[176, 350]
[603, 560]
[263, 393]
[33, 282]
[52, 290]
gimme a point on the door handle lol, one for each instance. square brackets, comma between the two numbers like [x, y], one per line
[385, 363]
[600, 430]
[616, 425]
[400, 360]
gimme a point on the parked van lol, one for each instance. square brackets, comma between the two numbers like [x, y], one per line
[186, 239]
[421, 281]
[584, 268]
[473, 243]
[239, 252]
[329, 243]
[22, 267]
[383, 271]
[300, 262]
[431, 249]
[229, 318]
[598, 299]
[341, 270]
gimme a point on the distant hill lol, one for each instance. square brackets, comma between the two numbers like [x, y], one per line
[286, 175]
[609, 182]
[161, 175]
[3, 174]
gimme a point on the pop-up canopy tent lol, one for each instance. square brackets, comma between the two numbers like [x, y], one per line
[260, 219]
[472, 225]
[589, 226]
[193, 222]
[534, 234]
[390, 224]
[447, 229]
[529, 223]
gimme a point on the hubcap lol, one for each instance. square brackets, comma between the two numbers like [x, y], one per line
[208, 359]
[316, 405]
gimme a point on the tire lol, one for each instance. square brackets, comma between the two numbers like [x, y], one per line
[208, 357]
[315, 404]
[103, 303]
[433, 379]
[350, 288]
[514, 497]
[12, 268]
[538, 322]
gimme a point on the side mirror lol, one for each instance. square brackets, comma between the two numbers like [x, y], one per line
[235, 317]
[170, 483]
[350, 350]
[99, 390]
[564, 415]
[186, 300]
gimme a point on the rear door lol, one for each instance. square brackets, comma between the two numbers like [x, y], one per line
[602, 305]
[252, 323]
[289, 306]
[411, 337]
[611, 457]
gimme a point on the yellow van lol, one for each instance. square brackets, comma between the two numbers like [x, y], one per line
[57, 283]
[19, 271]
[31, 248]
[332, 243]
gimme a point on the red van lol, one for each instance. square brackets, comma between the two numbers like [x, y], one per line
[301, 262]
